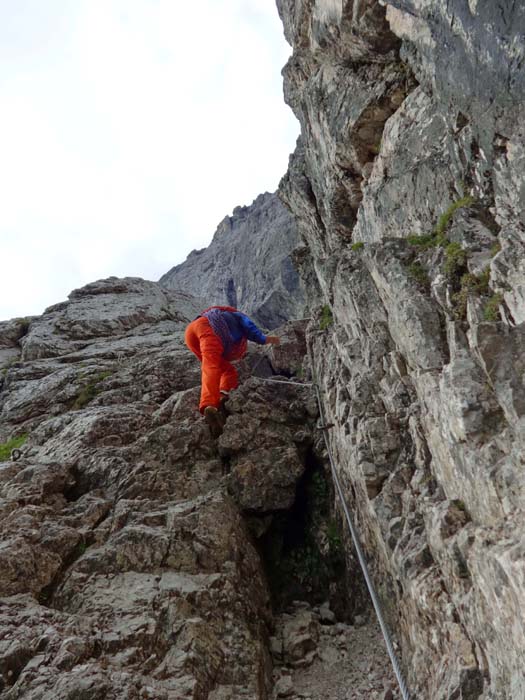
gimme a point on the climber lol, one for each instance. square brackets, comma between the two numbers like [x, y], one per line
[216, 337]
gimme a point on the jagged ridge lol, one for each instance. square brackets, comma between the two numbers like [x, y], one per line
[247, 264]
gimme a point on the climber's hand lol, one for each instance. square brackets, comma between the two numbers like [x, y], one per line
[273, 340]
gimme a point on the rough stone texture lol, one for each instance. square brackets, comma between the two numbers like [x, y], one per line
[10, 333]
[126, 566]
[339, 662]
[408, 107]
[247, 264]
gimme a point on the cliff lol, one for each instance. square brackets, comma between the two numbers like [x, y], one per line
[139, 558]
[409, 191]
[127, 564]
[247, 264]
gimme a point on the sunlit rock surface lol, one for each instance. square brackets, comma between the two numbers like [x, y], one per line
[409, 191]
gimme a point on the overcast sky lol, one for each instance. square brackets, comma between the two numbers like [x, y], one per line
[128, 130]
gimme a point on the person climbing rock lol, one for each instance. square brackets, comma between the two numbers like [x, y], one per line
[218, 336]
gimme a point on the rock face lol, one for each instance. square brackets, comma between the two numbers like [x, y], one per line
[408, 187]
[128, 559]
[126, 566]
[247, 264]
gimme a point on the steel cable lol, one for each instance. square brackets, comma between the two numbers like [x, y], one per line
[362, 561]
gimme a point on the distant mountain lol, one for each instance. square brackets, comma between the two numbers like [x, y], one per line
[247, 264]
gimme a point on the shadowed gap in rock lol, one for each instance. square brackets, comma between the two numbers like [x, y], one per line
[303, 552]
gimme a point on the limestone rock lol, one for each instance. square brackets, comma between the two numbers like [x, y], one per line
[408, 188]
[247, 264]
[300, 637]
[126, 568]
[326, 616]
[260, 442]
[284, 687]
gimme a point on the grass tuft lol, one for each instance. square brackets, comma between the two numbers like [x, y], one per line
[470, 285]
[12, 444]
[437, 237]
[88, 393]
[455, 260]
[491, 310]
[326, 318]
[425, 242]
[447, 216]
[419, 274]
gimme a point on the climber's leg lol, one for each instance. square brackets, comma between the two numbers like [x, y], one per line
[211, 350]
[203, 343]
[229, 377]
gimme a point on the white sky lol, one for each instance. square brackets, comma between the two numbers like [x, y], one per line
[128, 130]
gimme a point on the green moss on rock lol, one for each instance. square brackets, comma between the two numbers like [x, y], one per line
[455, 260]
[326, 318]
[420, 275]
[90, 391]
[491, 309]
[470, 285]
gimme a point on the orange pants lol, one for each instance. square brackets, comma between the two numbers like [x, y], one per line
[217, 373]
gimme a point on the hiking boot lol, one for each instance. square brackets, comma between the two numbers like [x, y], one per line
[215, 420]
[222, 401]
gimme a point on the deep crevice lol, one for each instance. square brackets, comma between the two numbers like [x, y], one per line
[76, 490]
[302, 551]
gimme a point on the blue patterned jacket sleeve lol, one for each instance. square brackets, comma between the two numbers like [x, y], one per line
[250, 329]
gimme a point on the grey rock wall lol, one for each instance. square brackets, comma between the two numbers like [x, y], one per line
[409, 190]
[247, 264]
[126, 567]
